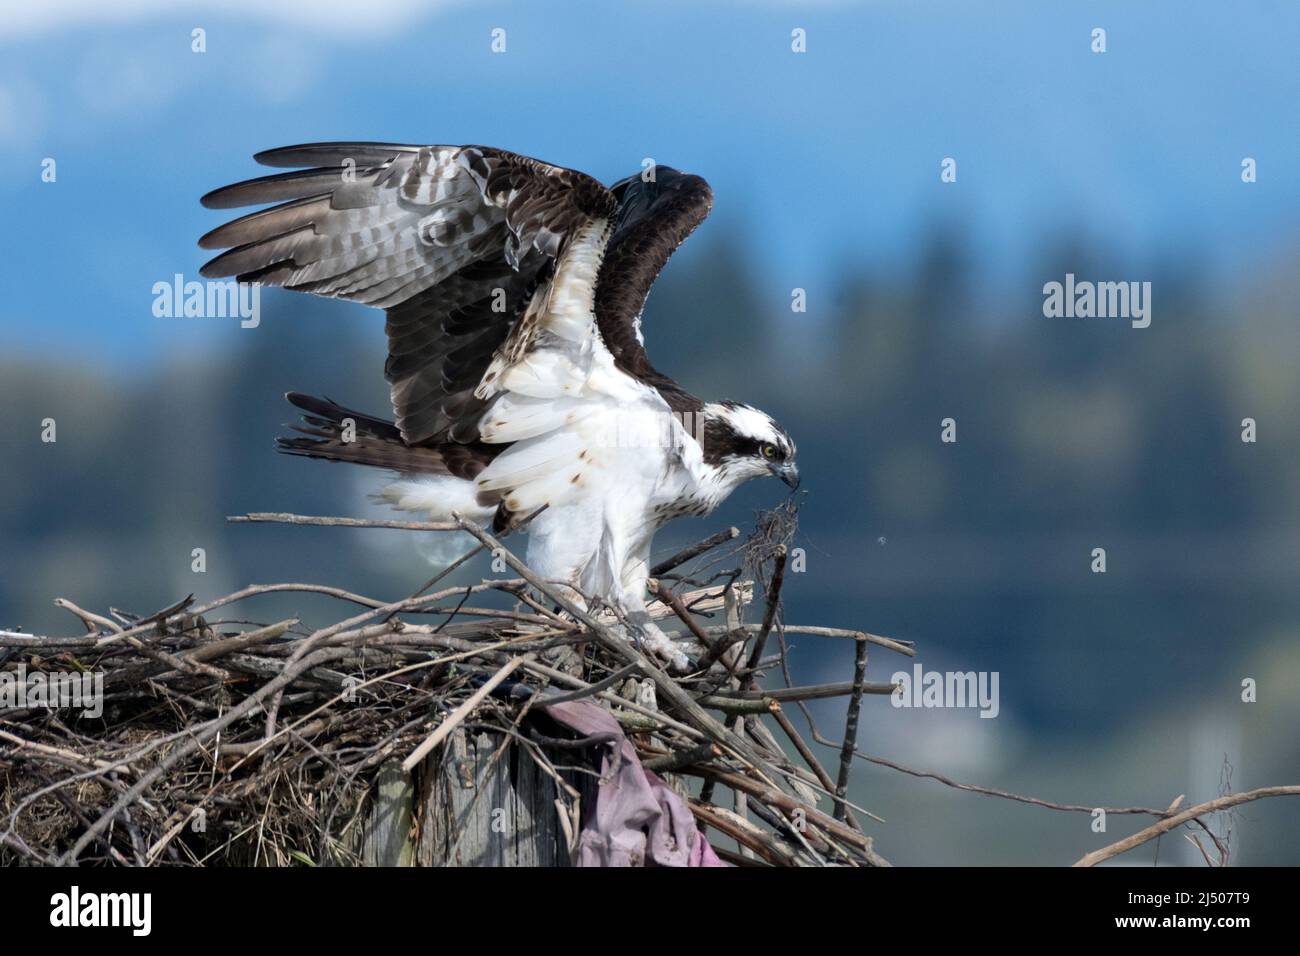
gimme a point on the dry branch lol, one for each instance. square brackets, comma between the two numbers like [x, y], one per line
[1189, 815]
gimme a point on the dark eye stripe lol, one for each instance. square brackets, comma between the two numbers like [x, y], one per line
[721, 440]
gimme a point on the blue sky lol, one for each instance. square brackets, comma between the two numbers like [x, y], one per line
[824, 162]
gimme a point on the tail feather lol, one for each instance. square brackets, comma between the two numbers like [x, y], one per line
[377, 442]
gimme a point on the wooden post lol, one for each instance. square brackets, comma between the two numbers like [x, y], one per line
[386, 839]
[469, 810]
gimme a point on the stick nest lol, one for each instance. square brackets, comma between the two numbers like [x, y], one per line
[224, 740]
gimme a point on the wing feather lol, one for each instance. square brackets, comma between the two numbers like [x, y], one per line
[451, 240]
[654, 218]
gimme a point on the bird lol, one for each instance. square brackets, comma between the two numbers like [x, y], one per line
[521, 389]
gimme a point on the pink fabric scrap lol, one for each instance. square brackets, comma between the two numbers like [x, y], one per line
[638, 819]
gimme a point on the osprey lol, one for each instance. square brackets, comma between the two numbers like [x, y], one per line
[519, 378]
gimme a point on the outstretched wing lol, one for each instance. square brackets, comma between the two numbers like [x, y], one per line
[453, 241]
[654, 218]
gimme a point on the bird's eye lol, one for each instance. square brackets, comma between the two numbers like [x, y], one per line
[769, 452]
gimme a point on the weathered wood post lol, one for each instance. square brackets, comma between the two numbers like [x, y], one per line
[471, 803]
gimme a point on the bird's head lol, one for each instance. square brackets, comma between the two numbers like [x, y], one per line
[742, 443]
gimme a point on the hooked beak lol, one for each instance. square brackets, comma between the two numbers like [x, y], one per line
[789, 473]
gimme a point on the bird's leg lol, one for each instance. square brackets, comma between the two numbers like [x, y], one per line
[627, 599]
[630, 595]
[564, 656]
[645, 632]
[638, 627]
